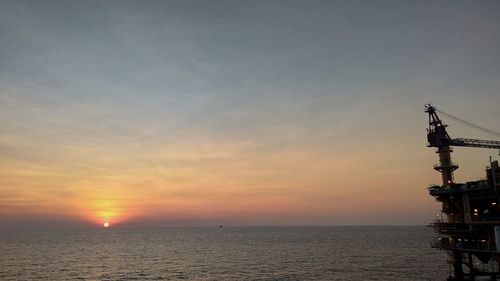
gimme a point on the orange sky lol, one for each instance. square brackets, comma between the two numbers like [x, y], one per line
[211, 182]
[247, 113]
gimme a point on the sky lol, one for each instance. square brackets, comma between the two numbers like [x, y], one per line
[201, 113]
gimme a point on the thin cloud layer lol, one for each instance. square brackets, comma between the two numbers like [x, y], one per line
[246, 113]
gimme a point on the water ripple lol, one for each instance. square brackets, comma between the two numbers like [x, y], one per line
[213, 254]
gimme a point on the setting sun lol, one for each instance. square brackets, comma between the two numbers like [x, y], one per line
[106, 224]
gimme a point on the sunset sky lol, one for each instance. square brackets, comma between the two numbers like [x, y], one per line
[177, 113]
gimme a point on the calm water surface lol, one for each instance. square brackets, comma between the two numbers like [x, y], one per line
[229, 253]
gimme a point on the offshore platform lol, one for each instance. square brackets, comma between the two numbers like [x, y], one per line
[469, 226]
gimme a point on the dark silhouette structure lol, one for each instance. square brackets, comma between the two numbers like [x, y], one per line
[469, 226]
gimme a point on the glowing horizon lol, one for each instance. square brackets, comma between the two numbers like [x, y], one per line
[207, 113]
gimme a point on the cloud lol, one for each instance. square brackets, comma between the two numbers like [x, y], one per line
[272, 113]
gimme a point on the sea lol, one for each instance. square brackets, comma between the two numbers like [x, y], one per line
[224, 253]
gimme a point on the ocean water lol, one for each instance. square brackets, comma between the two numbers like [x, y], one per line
[229, 253]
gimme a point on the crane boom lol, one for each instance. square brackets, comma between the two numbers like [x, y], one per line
[438, 137]
[475, 143]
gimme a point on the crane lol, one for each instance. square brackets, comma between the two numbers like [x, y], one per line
[437, 136]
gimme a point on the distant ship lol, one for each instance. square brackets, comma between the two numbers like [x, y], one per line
[469, 226]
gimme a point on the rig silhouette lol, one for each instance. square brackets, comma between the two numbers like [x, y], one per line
[469, 226]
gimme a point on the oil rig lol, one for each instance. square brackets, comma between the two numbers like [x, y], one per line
[469, 226]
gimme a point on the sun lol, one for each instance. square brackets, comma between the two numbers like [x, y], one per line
[106, 224]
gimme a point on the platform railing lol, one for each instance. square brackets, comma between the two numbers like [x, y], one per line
[464, 245]
[452, 164]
